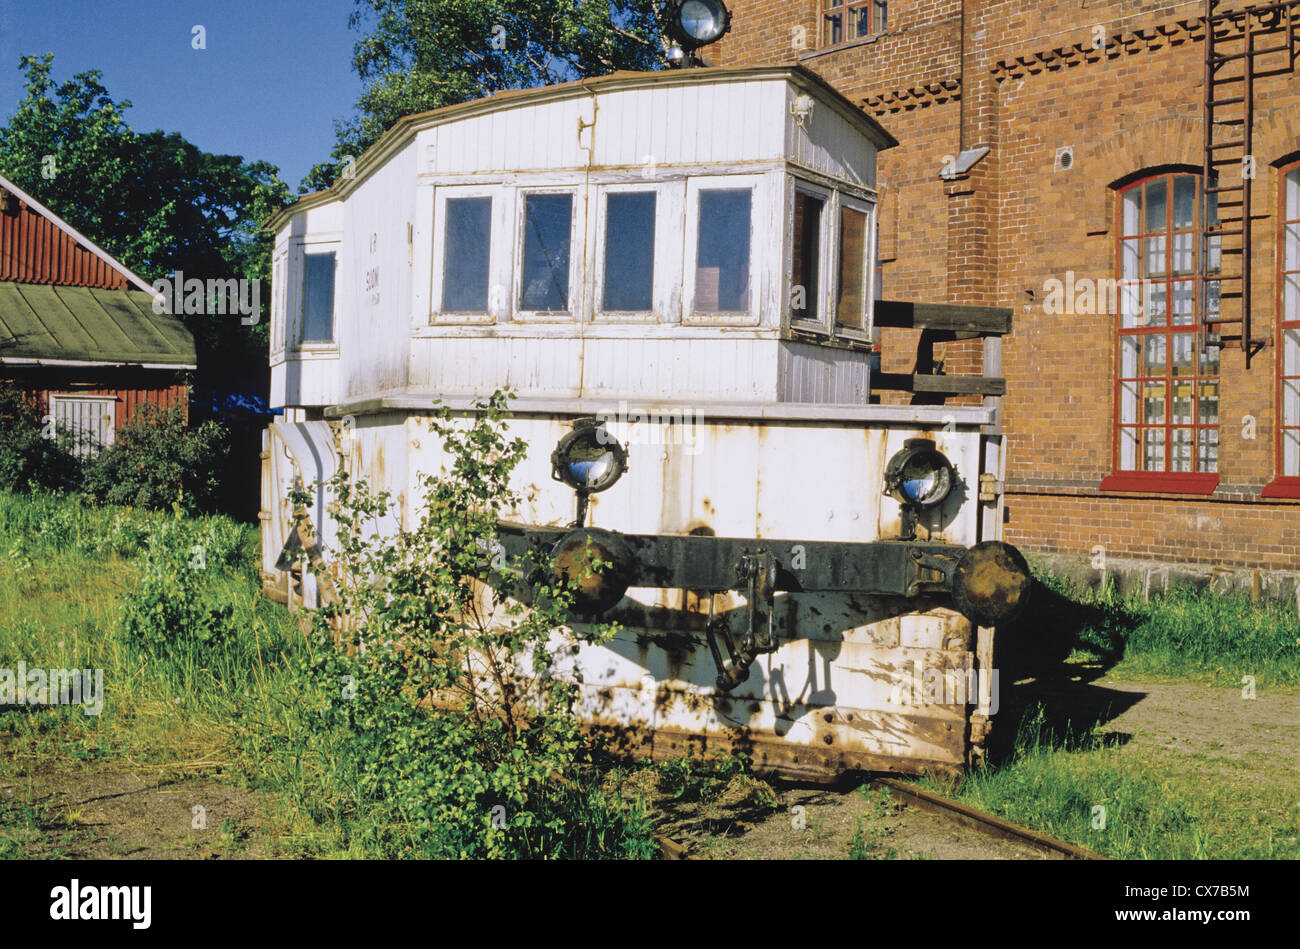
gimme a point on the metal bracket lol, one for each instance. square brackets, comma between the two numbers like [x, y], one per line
[990, 487]
[756, 574]
[933, 572]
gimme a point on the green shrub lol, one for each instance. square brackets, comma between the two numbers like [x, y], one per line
[172, 614]
[155, 458]
[449, 728]
[27, 457]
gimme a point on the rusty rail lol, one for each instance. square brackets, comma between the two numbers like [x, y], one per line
[670, 849]
[987, 824]
[984, 823]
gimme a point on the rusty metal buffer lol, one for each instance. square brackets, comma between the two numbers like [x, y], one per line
[989, 582]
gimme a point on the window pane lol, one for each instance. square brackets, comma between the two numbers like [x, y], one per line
[629, 251]
[318, 297]
[1212, 288]
[1291, 296]
[852, 283]
[1185, 302]
[1291, 453]
[1129, 346]
[1209, 403]
[1128, 403]
[1291, 238]
[1214, 254]
[1180, 452]
[862, 20]
[1153, 363]
[467, 241]
[1184, 255]
[1153, 449]
[1130, 298]
[1180, 407]
[1156, 256]
[1207, 449]
[722, 256]
[1184, 347]
[1128, 445]
[1130, 258]
[1293, 195]
[1153, 403]
[1185, 201]
[1156, 303]
[1131, 207]
[1210, 355]
[882, 15]
[1291, 353]
[835, 28]
[1291, 431]
[548, 229]
[806, 256]
[1157, 219]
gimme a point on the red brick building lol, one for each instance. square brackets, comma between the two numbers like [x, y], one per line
[1131, 436]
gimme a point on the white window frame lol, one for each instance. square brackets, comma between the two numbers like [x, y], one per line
[667, 249]
[577, 288]
[822, 323]
[300, 248]
[279, 295]
[868, 269]
[757, 185]
[60, 398]
[500, 279]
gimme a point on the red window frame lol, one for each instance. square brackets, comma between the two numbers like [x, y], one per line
[1166, 480]
[1284, 485]
[875, 13]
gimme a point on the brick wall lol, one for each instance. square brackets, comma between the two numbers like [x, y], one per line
[1027, 79]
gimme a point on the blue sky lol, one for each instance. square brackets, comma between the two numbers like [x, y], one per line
[274, 77]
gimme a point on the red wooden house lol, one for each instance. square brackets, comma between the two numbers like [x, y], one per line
[78, 329]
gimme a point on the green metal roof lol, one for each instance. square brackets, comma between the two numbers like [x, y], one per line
[86, 324]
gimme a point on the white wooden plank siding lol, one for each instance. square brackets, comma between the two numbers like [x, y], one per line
[675, 133]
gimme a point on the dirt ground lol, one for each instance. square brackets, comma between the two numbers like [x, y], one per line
[1230, 738]
[1255, 739]
[99, 809]
[93, 812]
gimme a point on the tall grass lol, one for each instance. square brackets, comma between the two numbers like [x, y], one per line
[1128, 802]
[1186, 634]
[66, 570]
[201, 671]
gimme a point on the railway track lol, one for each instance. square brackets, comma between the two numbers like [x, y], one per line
[949, 811]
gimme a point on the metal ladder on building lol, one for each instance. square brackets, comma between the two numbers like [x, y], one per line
[1232, 64]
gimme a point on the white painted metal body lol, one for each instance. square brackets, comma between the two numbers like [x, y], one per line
[744, 424]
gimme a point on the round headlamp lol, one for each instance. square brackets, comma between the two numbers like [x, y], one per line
[695, 23]
[919, 475]
[588, 459]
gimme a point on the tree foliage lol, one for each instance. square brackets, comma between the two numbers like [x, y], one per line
[153, 200]
[425, 54]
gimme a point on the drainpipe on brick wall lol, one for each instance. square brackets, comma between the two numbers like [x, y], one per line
[961, 101]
